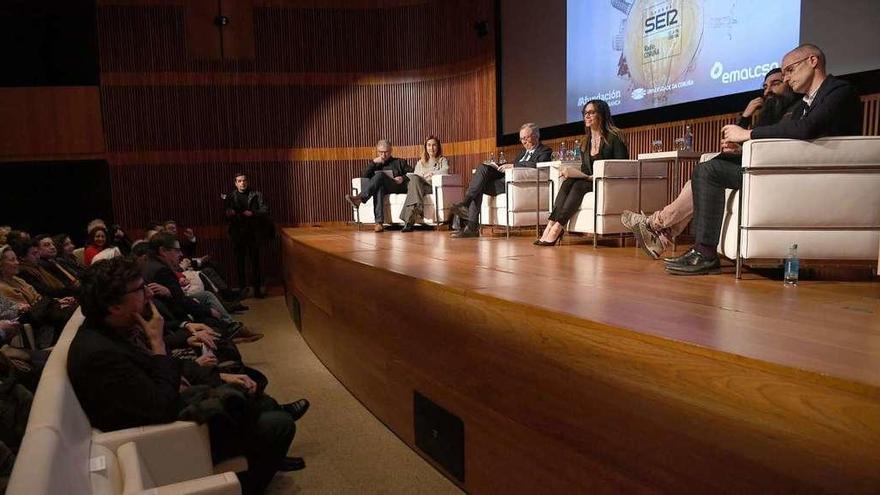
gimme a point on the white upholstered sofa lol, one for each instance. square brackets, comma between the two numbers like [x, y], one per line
[616, 188]
[62, 453]
[823, 195]
[445, 190]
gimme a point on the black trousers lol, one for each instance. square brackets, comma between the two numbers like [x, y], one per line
[380, 185]
[568, 199]
[486, 180]
[709, 181]
[243, 249]
[264, 441]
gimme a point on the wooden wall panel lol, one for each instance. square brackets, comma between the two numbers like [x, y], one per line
[301, 116]
[45, 122]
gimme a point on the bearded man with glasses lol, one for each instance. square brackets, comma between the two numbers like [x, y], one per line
[830, 107]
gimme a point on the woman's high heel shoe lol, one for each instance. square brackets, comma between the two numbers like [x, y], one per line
[558, 239]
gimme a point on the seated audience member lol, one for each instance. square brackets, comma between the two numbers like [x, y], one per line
[830, 107]
[489, 180]
[97, 242]
[117, 238]
[162, 267]
[654, 233]
[32, 271]
[381, 183]
[431, 163]
[29, 363]
[65, 248]
[124, 377]
[4, 231]
[41, 311]
[49, 260]
[604, 142]
[187, 239]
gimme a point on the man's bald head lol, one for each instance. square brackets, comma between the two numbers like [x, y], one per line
[806, 50]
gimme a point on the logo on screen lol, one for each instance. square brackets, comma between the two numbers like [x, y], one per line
[638, 93]
[661, 31]
[742, 74]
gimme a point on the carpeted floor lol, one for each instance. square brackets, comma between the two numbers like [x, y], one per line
[347, 450]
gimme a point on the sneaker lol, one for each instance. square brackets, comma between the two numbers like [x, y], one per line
[648, 240]
[630, 219]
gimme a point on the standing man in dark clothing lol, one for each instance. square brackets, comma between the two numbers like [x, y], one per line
[830, 107]
[248, 217]
[387, 176]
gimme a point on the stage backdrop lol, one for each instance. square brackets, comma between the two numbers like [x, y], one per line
[295, 93]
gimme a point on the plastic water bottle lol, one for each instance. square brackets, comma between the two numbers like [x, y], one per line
[562, 151]
[501, 159]
[491, 158]
[576, 153]
[688, 138]
[792, 267]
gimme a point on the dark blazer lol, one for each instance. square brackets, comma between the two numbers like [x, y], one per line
[258, 226]
[157, 271]
[613, 149]
[118, 385]
[397, 166]
[541, 153]
[836, 111]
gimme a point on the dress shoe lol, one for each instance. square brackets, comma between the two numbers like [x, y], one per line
[244, 335]
[464, 233]
[694, 263]
[354, 201]
[460, 209]
[291, 464]
[408, 227]
[296, 409]
[378, 228]
[675, 259]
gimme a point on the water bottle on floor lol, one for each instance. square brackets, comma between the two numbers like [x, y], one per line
[792, 267]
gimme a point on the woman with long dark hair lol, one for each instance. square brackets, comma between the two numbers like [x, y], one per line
[604, 141]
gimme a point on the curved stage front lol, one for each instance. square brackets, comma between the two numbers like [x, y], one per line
[569, 369]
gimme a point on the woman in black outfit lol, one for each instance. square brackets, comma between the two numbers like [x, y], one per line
[604, 142]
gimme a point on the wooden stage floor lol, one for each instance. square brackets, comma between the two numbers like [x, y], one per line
[581, 370]
[828, 327]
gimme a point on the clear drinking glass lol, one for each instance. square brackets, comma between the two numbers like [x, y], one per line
[680, 144]
[657, 145]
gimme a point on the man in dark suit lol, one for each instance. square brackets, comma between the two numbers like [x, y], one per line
[124, 376]
[249, 223]
[381, 183]
[490, 180]
[830, 107]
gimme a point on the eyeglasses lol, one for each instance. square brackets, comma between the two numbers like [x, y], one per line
[788, 69]
[590, 112]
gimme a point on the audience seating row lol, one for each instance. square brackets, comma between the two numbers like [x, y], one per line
[62, 453]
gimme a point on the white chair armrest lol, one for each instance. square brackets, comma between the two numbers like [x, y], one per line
[445, 180]
[218, 484]
[359, 183]
[153, 433]
[837, 152]
[522, 174]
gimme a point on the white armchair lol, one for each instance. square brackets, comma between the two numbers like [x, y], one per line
[526, 190]
[616, 188]
[445, 190]
[823, 195]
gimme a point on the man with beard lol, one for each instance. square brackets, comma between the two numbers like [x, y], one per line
[654, 233]
[830, 107]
